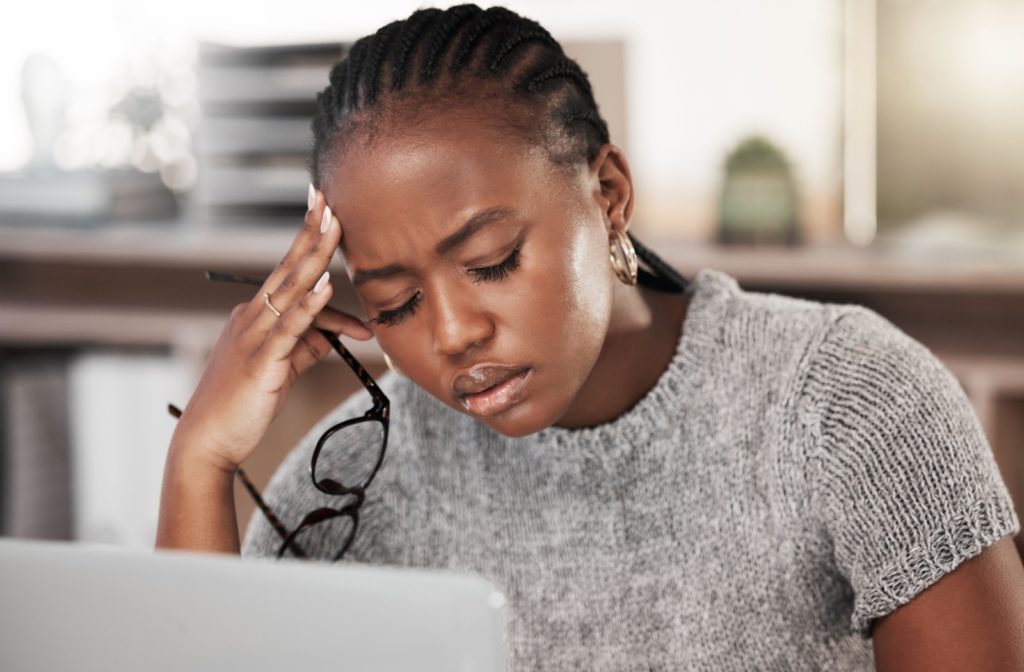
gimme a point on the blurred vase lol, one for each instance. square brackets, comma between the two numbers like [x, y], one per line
[45, 94]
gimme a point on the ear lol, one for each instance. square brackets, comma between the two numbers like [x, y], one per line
[609, 171]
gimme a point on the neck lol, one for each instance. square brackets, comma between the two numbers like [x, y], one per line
[642, 337]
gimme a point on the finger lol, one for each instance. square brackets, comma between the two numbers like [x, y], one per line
[335, 321]
[311, 348]
[304, 239]
[308, 232]
[303, 274]
[288, 329]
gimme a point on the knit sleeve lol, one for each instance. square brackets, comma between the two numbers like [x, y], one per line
[902, 478]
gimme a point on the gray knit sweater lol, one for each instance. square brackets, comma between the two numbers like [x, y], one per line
[799, 469]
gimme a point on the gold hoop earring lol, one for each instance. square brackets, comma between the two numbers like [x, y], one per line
[623, 257]
[394, 369]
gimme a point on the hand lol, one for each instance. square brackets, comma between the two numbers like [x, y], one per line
[258, 356]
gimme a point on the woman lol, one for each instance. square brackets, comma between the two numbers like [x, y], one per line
[665, 474]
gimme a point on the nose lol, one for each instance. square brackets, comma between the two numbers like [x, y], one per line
[459, 324]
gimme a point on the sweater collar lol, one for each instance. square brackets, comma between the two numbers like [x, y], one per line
[663, 407]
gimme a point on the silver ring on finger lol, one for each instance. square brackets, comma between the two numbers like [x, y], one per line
[266, 300]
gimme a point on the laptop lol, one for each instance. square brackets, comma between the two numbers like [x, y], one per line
[68, 606]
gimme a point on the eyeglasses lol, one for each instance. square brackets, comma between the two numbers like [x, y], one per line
[346, 458]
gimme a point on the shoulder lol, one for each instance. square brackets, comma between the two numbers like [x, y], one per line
[825, 350]
[755, 318]
[864, 360]
[872, 392]
[774, 334]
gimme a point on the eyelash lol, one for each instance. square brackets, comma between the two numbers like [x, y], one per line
[390, 318]
[498, 272]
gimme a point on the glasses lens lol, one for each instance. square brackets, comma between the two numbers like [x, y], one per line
[350, 455]
[322, 541]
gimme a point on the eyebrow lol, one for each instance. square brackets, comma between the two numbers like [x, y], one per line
[449, 243]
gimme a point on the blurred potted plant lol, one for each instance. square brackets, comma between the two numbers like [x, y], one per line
[759, 198]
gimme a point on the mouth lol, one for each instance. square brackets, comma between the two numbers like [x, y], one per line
[500, 396]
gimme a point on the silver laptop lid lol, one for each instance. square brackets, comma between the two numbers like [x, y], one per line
[80, 607]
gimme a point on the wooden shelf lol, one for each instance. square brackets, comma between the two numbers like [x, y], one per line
[846, 267]
[131, 328]
[168, 244]
[818, 266]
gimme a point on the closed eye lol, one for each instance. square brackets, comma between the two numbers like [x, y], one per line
[390, 318]
[499, 271]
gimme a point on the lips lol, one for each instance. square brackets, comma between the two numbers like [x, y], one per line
[484, 376]
[500, 397]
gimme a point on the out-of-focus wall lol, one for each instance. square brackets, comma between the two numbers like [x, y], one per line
[698, 77]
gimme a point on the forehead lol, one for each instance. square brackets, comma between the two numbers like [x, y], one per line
[409, 187]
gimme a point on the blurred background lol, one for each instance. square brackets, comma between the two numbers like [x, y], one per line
[861, 151]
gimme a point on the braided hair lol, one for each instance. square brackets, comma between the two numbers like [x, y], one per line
[436, 60]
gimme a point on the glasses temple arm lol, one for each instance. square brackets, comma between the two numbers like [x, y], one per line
[379, 398]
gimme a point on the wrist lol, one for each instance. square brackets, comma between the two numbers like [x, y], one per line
[193, 452]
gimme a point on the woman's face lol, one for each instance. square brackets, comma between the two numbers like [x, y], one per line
[527, 290]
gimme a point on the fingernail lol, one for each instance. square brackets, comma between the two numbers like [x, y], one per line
[326, 221]
[310, 198]
[321, 283]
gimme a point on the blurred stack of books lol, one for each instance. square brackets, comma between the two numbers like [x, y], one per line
[36, 492]
[83, 440]
[255, 137]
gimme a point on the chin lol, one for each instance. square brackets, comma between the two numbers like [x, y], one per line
[528, 417]
[511, 429]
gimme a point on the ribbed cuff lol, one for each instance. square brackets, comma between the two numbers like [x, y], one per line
[944, 549]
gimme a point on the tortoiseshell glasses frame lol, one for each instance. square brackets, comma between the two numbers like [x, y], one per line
[378, 412]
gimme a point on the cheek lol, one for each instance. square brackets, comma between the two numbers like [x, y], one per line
[569, 308]
[589, 282]
[575, 305]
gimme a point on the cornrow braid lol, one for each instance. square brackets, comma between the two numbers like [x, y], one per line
[475, 30]
[333, 107]
[406, 43]
[466, 55]
[520, 36]
[441, 39]
[565, 68]
[354, 61]
[381, 41]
